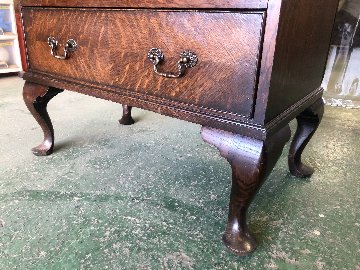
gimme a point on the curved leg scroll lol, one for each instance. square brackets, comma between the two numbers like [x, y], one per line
[251, 161]
[126, 118]
[308, 121]
[36, 98]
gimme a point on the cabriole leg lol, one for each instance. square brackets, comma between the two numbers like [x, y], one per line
[251, 161]
[126, 118]
[36, 98]
[308, 122]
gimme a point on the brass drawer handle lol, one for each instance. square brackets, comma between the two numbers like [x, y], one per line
[70, 46]
[188, 59]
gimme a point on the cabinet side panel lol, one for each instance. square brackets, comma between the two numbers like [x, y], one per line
[301, 51]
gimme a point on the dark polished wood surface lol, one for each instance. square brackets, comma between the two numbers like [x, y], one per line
[126, 118]
[109, 53]
[308, 122]
[251, 161]
[260, 64]
[301, 52]
[36, 98]
[219, 4]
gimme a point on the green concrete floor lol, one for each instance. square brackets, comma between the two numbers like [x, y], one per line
[154, 196]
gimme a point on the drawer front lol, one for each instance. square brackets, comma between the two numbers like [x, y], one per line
[113, 47]
[199, 4]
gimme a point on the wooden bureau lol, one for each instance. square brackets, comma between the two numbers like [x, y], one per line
[241, 69]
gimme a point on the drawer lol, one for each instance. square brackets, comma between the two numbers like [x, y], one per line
[113, 46]
[158, 4]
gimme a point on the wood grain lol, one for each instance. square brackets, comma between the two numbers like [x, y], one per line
[222, 4]
[113, 46]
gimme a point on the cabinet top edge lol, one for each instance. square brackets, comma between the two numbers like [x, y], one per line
[216, 4]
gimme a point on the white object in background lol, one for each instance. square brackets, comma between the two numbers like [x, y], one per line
[9, 44]
[4, 55]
